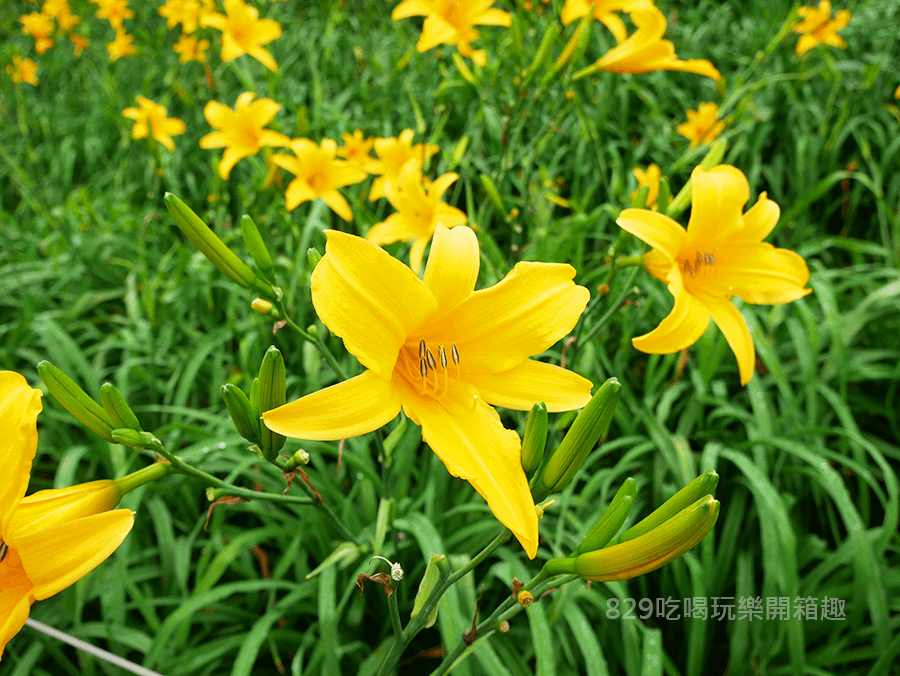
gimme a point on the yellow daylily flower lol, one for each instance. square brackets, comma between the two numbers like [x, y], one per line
[121, 46]
[243, 32]
[720, 255]
[445, 354]
[150, 118]
[645, 50]
[819, 28]
[419, 211]
[190, 48]
[604, 11]
[52, 538]
[452, 22]
[39, 26]
[114, 11]
[319, 174]
[703, 125]
[356, 150]
[649, 177]
[240, 131]
[23, 70]
[393, 154]
[186, 12]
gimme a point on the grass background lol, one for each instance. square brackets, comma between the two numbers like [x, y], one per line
[96, 280]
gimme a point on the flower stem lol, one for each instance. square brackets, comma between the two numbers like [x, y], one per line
[395, 617]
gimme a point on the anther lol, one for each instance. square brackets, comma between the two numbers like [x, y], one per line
[454, 353]
[4, 550]
[423, 368]
[442, 354]
[699, 261]
[422, 349]
[431, 362]
[710, 259]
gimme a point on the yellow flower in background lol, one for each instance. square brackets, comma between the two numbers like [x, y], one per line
[720, 255]
[240, 131]
[604, 11]
[319, 175]
[190, 48]
[243, 32]
[897, 92]
[39, 26]
[356, 150]
[702, 125]
[645, 50]
[114, 11]
[451, 22]
[419, 212]
[50, 539]
[186, 12]
[60, 10]
[445, 354]
[819, 28]
[121, 46]
[23, 70]
[150, 118]
[79, 42]
[393, 154]
[650, 178]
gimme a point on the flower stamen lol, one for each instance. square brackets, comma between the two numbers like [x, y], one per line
[4, 550]
[701, 260]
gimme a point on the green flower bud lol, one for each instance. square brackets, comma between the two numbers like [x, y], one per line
[241, 413]
[493, 194]
[76, 401]
[611, 521]
[584, 433]
[133, 438]
[257, 248]
[345, 554]
[535, 438]
[272, 394]
[214, 248]
[114, 404]
[665, 194]
[645, 553]
[543, 53]
[313, 256]
[437, 570]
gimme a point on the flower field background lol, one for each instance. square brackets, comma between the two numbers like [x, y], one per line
[97, 280]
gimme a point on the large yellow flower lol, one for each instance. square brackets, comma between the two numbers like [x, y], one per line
[240, 131]
[419, 212]
[393, 154]
[150, 118]
[452, 22]
[645, 50]
[445, 354]
[720, 255]
[819, 28]
[243, 32]
[50, 539]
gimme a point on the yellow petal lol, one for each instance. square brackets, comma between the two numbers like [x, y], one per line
[531, 382]
[351, 408]
[57, 557]
[19, 408]
[681, 328]
[660, 232]
[49, 508]
[15, 604]
[759, 221]
[435, 31]
[763, 275]
[369, 299]
[499, 327]
[409, 8]
[736, 332]
[452, 268]
[416, 254]
[338, 204]
[478, 449]
[718, 197]
[394, 228]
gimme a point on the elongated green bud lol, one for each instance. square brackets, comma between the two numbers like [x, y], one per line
[459, 150]
[76, 401]
[272, 394]
[647, 552]
[133, 438]
[253, 396]
[257, 248]
[344, 554]
[704, 484]
[437, 570]
[543, 52]
[640, 198]
[493, 194]
[579, 441]
[611, 521]
[665, 194]
[214, 248]
[715, 154]
[313, 256]
[114, 404]
[535, 439]
[241, 413]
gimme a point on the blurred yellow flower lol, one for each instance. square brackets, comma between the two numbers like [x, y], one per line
[650, 178]
[79, 42]
[720, 255]
[39, 26]
[451, 22]
[419, 212]
[318, 174]
[23, 70]
[190, 48]
[445, 354]
[50, 539]
[604, 12]
[393, 153]
[150, 118]
[702, 126]
[356, 150]
[186, 12]
[819, 28]
[645, 50]
[60, 10]
[897, 92]
[240, 131]
[121, 46]
[243, 32]
[114, 11]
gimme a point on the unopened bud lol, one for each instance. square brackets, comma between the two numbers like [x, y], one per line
[118, 410]
[134, 439]
[76, 401]
[241, 413]
[313, 256]
[272, 394]
[611, 521]
[535, 438]
[257, 248]
[525, 598]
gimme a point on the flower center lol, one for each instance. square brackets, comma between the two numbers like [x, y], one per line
[432, 369]
[696, 266]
